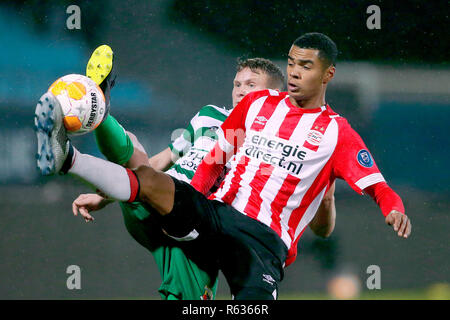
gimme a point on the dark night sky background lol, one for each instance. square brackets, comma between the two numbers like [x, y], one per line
[411, 31]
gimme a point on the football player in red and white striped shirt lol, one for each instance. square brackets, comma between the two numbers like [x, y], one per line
[290, 147]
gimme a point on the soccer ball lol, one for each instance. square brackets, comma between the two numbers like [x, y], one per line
[82, 102]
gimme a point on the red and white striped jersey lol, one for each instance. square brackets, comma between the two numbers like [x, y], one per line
[286, 160]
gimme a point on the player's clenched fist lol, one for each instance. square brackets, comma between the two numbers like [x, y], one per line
[400, 222]
[88, 202]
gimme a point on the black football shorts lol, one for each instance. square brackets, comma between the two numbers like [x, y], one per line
[249, 253]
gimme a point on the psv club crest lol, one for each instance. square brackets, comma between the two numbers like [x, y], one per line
[314, 137]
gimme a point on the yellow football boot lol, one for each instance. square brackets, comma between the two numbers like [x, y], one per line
[100, 69]
[100, 64]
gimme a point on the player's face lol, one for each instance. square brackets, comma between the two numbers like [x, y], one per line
[305, 74]
[247, 81]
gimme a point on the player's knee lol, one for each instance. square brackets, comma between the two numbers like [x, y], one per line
[146, 176]
[156, 189]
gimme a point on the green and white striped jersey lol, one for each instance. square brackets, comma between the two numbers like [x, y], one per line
[189, 149]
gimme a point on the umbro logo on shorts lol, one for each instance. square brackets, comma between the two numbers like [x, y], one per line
[268, 278]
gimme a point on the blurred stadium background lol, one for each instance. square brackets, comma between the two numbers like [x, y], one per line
[174, 57]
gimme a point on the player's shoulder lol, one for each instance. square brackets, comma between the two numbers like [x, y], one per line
[209, 115]
[345, 130]
[211, 110]
[252, 96]
[341, 121]
[343, 126]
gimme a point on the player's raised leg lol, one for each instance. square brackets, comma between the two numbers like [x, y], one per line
[181, 277]
[57, 155]
[112, 139]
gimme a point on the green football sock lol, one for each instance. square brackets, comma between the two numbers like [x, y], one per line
[113, 142]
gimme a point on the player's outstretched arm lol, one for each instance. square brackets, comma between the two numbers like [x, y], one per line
[324, 221]
[139, 156]
[355, 164]
[391, 206]
[85, 203]
[161, 161]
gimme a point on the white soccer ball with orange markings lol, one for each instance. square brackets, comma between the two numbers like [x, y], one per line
[82, 102]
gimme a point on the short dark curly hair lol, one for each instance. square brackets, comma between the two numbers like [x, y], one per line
[314, 40]
[276, 77]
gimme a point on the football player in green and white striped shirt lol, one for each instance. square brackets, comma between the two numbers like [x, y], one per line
[195, 142]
